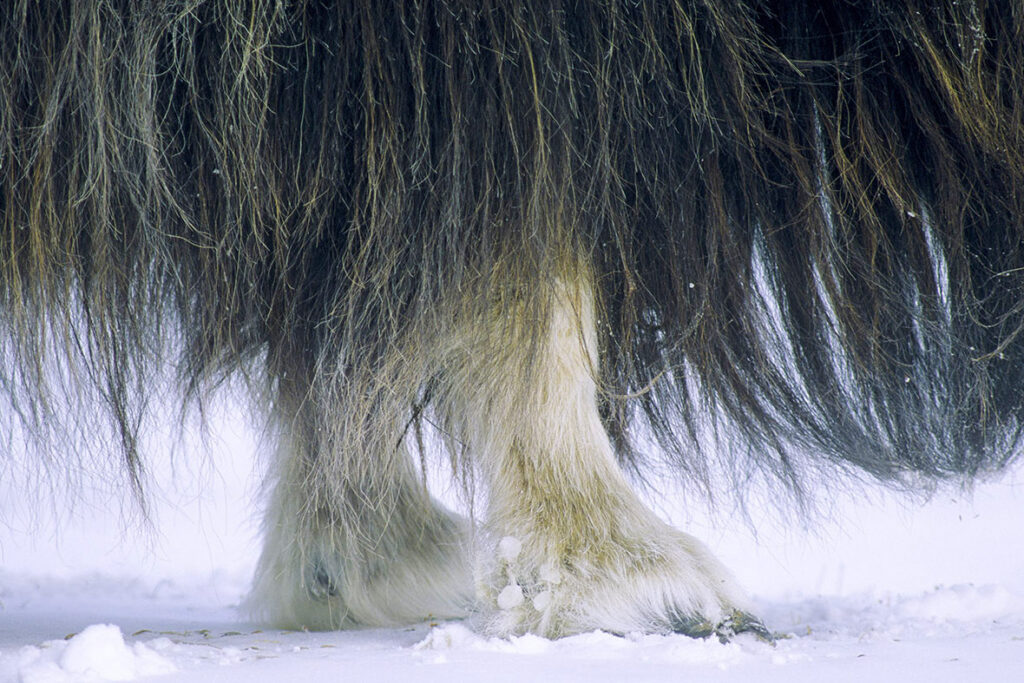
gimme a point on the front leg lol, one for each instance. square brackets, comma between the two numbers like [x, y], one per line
[591, 556]
[572, 546]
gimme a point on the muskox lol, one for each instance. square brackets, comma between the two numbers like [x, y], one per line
[568, 239]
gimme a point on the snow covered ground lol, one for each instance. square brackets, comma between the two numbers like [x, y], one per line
[879, 590]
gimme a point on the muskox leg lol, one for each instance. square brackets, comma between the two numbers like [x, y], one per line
[352, 537]
[572, 546]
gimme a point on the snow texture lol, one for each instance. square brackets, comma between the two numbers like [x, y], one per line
[880, 591]
[98, 653]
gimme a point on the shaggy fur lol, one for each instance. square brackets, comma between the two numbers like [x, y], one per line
[545, 228]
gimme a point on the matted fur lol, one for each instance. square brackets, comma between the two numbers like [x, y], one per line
[797, 227]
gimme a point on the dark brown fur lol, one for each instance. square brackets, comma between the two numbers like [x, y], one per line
[805, 220]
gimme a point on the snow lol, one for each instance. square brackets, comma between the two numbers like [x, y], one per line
[878, 590]
[98, 653]
[510, 597]
[509, 548]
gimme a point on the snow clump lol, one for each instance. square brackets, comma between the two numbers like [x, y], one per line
[97, 653]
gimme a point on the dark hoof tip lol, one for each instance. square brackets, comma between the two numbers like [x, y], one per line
[692, 625]
[741, 622]
[738, 622]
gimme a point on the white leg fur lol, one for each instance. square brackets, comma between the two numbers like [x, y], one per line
[354, 539]
[576, 548]
[342, 553]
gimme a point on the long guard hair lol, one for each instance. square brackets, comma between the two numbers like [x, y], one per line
[802, 222]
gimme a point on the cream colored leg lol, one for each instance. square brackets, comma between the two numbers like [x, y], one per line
[572, 546]
[354, 538]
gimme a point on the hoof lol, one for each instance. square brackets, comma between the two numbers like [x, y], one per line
[736, 623]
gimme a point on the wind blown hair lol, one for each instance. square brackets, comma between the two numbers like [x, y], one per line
[804, 221]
